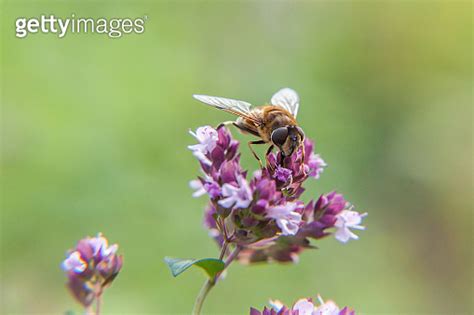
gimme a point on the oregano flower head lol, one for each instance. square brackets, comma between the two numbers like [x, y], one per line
[91, 267]
[263, 213]
[305, 306]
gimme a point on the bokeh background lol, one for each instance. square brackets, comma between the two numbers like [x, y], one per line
[94, 136]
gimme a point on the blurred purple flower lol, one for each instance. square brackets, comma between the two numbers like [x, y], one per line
[74, 263]
[318, 218]
[205, 185]
[239, 196]
[198, 188]
[292, 171]
[283, 174]
[303, 307]
[314, 163]
[344, 221]
[286, 217]
[91, 266]
[263, 214]
[207, 137]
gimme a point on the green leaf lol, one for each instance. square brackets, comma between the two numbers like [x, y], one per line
[211, 266]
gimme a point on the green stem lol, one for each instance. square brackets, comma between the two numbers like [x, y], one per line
[98, 299]
[98, 304]
[210, 283]
[202, 296]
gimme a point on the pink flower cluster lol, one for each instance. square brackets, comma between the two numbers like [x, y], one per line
[263, 214]
[90, 267]
[304, 307]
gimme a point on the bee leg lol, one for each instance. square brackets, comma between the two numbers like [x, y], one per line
[253, 152]
[225, 124]
[270, 149]
[243, 129]
[282, 158]
[303, 159]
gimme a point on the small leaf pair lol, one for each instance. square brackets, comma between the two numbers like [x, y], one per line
[211, 266]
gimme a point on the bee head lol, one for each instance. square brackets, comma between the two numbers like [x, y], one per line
[287, 139]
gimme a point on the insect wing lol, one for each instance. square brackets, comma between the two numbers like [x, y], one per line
[236, 107]
[225, 103]
[287, 99]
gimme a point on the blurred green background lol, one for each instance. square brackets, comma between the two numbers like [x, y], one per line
[94, 136]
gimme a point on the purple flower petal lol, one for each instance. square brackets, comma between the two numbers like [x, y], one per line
[74, 262]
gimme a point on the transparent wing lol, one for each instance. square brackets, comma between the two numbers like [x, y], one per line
[235, 107]
[287, 99]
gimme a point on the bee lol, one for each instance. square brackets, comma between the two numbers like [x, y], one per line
[274, 123]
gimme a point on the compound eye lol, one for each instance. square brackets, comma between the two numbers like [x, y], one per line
[279, 136]
[301, 132]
